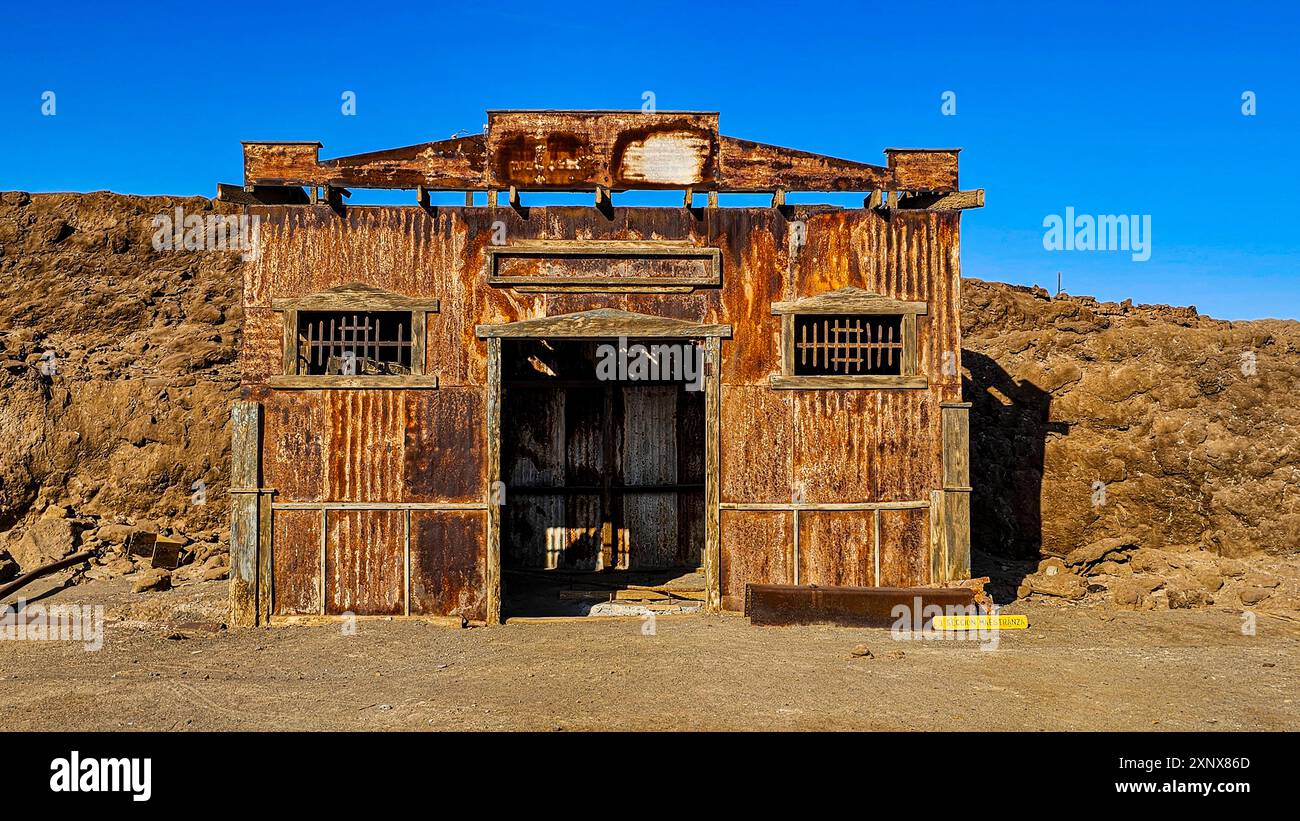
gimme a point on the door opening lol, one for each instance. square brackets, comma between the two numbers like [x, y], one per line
[603, 462]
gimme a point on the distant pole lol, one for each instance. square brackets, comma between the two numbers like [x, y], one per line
[1058, 283]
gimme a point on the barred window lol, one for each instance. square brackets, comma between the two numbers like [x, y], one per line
[850, 339]
[365, 343]
[848, 345]
[354, 336]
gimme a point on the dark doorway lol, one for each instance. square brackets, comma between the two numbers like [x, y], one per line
[602, 455]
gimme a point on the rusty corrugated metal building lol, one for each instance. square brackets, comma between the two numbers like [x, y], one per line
[427, 406]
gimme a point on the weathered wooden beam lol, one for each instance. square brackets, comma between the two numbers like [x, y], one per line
[953, 201]
[900, 382]
[492, 433]
[712, 553]
[245, 510]
[602, 323]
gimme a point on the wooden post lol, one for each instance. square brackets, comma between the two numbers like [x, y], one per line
[245, 511]
[492, 574]
[956, 489]
[712, 477]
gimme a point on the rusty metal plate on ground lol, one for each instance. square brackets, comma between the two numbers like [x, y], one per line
[785, 604]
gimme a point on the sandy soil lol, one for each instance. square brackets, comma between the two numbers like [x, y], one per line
[166, 666]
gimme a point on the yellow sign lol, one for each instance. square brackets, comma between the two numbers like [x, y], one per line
[980, 622]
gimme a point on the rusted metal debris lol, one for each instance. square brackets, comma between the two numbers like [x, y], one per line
[44, 570]
[787, 604]
[160, 550]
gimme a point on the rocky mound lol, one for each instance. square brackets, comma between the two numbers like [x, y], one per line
[117, 367]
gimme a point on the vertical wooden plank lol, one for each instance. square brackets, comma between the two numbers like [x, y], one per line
[418, 321]
[875, 552]
[265, 577]
[938, 560]
[245, 475]
[406, 560]
[956, 445]
[911, 351]
[492, 574]
[712, 478]
[650, 458]
[289, 327]
[324, 549]
[956, 511]
[787, 345]
[956, 486]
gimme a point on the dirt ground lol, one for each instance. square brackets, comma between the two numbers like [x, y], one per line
[166, 665]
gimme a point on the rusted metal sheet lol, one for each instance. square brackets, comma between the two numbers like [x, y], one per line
[296, 562]
[444, 457]
[578, 150]
[756, 549]
[904, 546]
[837, 547]
[448, 557]
[363, 450]
[277, 163]
[293, 445]
[768, 604]
[365, 563]
[757, 420]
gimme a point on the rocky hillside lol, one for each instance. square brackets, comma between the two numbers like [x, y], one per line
[1111, 436]
[117, 371]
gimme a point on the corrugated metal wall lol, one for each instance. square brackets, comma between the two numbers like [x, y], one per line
[778, 448]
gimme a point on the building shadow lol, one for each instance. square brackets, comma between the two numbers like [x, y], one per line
[1009, 429]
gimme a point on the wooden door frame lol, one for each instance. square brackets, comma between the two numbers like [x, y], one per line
[605, 324]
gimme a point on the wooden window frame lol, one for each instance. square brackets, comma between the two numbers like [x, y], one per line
[850, 302]
[355, 298]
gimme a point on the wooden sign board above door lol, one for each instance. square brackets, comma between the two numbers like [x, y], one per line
[603, 265]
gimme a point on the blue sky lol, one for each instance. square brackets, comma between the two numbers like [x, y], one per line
[1109, 109]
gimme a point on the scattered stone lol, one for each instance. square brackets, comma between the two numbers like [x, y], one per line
[217, 573]
[1109, 568]
[1232, 567]
[1051, 566]
[1254, 595]
[47, 540]
[1132, 592]
[1262, 580]
[1096, 551]
[115, 533]
[1063, 585]
[153, 579]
